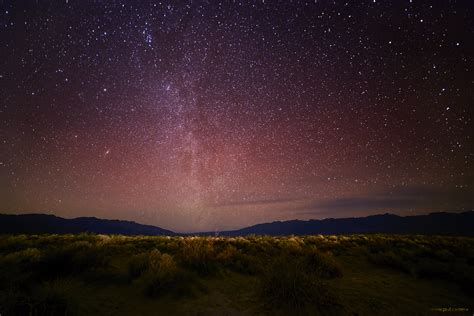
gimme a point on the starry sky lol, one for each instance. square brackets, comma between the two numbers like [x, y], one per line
[213, 115]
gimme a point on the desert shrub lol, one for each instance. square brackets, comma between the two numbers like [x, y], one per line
[89, 257]
[247, 264]
[163, 276]
[392, 260]
[56, 262]
[198, 255]
[142, 262]
[470, 256]
[324, 264]
[48, 298]
[154, 259]
[466, 283]
[463, 276]
[22, 258]
[158, 274]
[13, 301]
[173, 246]
[55, 298]
[444, 255]
[430, 268]
[14, 243]
[18, 268]
[288, 285]
[73, 259]
[227, 255]
[137, 265]
[290, 245]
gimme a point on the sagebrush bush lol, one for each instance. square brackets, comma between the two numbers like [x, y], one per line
[294, 272]
[144, 261]
[154, 259]
[22, 258]
[163, 276]
[55, 298]
[288, 284]
[323, 263]
[389, 258]
[137, 265]
[44, 299]
[227, 255]
[430, 268]
[198, 255]
[76, 258]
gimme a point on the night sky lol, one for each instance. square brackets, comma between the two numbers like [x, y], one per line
[209, 115]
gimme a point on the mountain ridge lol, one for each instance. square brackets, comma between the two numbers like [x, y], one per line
[442, 223]
[49, 223]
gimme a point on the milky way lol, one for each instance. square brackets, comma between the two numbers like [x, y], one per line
[208, 115]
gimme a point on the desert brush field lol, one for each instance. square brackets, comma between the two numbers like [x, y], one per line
[89, 274]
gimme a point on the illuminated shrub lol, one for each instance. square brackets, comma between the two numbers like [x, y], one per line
[290, 245]
[227, 255]
[239, 261]
[23, 257]
[14, 243]
[198, 255]
[163, 277]
[138, 265]
[154, 259]
[323, 264]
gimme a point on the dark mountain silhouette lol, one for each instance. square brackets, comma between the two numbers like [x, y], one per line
[442, 223]
[42, 223]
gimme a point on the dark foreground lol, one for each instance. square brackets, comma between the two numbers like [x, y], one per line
[316, 275]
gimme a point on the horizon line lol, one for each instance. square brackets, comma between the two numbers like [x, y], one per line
[237, 229]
